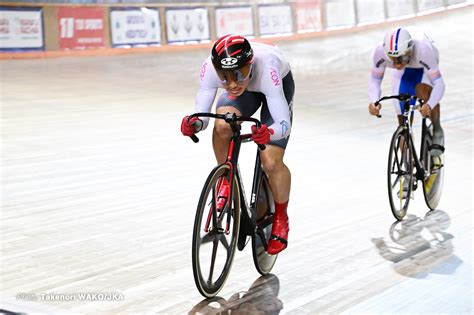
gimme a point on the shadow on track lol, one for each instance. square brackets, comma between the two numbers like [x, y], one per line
[261, 298]
[417, 245]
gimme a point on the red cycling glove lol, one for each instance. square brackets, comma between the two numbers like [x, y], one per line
[262, 134]
[188, 128]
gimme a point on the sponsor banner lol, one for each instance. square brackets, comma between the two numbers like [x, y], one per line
[237, 20]
[339, 13]
[424, 5]
[183, 25]
[397, 8]
[135, 27]
[81, 27]
[308, 16]
[369, 11]
[452, 2]
[21, 29]
[275, 19]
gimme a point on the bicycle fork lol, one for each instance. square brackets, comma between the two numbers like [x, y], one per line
[232, 156]
[226, 209]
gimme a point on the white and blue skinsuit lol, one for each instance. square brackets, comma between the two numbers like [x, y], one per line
[422, 68]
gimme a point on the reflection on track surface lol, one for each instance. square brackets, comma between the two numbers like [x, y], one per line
[99, 188]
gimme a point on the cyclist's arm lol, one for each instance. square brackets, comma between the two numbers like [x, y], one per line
[207, 91]
[376, 74]
[280, 112]
[272, 87]
[427, 56]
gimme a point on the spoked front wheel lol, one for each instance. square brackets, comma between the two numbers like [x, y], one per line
[400, 173]
[434, 167]
[265, 210]
[215, 234]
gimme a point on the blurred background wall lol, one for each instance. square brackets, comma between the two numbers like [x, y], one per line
[64, 25]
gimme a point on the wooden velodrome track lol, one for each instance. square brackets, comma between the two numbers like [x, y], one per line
[99, 188]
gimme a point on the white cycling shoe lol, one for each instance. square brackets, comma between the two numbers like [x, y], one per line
[437, 148]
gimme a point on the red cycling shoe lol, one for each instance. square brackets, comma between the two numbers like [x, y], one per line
[279, 238]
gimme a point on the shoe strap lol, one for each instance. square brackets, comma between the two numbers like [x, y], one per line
[277, 238]
[435, 146]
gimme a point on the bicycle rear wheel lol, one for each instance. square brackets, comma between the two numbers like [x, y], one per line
[215, 235]
[400, 172]
[265, 208]
[434, 166]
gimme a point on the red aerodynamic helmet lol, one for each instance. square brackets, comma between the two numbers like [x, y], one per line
[231, 52]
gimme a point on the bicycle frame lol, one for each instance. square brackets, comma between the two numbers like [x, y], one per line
[420, 172]
[236, 216]
[406, 166]
[408, 114]
[248, 212]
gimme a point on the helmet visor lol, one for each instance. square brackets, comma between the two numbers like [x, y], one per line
[238, 75]
[400, 59]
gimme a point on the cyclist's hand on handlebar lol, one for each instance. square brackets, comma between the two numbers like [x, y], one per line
[425, 110]
[190, 127]
[261, 135]
[375, 109]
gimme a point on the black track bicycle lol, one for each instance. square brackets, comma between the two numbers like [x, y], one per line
[405, 168]
[218, 232]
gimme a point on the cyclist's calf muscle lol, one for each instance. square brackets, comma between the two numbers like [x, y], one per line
[278, 173]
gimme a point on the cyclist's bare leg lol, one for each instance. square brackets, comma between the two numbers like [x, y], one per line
[222, 133]
[279, 178]
[400, 120]
[279, 175]
[423, 91]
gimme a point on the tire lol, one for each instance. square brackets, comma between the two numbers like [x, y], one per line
[265, 208]
[213, 251]
[434, 179]
[400, 173]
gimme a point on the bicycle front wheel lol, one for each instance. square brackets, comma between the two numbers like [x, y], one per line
[400, 172]
[215, 234]
[265, 208]
[434, 167]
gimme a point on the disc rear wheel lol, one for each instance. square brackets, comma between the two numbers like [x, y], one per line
[434, 166]
[265, 210]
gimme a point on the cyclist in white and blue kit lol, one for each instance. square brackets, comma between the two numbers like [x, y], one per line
[414, 60]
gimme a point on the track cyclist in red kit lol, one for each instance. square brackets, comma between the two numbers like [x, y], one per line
[253, 76]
